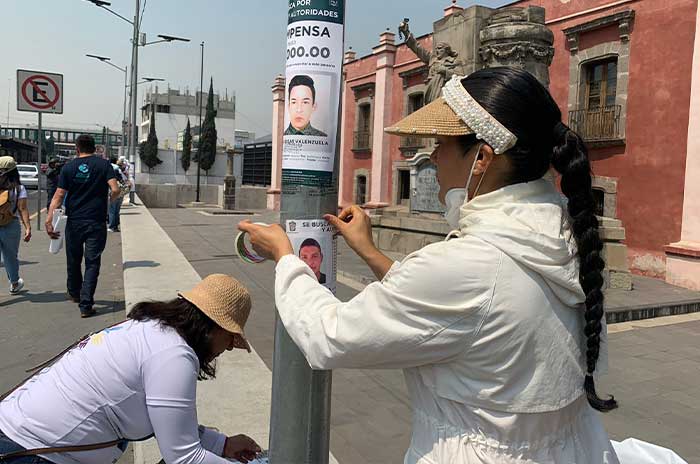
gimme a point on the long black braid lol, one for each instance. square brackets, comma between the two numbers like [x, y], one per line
[519, 102]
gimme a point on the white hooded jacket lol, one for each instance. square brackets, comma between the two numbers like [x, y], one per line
[488, 328]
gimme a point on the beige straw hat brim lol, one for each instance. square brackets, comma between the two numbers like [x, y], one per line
[224, 300]
[436, 118]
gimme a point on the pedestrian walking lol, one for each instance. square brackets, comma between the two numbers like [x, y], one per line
[115, 206]
[131, 381]
[87, 181]
[52, 173]
[500, 330]
[13, 210]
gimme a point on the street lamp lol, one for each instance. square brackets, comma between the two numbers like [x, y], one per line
[133, 103]
[106, 60]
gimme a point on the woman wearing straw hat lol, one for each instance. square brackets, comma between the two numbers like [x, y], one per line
[13, 209]
[500, 330]
[130, 381]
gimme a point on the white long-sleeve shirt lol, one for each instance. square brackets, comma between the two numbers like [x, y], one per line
[488, 328]
[128, 381]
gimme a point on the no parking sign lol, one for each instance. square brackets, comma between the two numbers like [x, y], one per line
[39, 92]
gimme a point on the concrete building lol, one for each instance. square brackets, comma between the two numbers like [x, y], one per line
[172, 108]
[626, 75]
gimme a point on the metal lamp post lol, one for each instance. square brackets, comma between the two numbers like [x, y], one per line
[135, 43]
[201, 97]
[106, 60]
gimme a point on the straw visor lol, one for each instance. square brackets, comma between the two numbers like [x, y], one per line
[436, 118]
[223, 299]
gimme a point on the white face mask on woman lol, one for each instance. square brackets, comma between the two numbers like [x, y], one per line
[455, 197]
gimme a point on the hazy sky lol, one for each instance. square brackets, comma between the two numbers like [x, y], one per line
[244, 51]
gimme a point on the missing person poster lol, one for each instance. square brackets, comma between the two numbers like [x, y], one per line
[314, 243]
[314, 72]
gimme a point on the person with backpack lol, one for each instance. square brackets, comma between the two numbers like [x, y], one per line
[85, 183]
[13, 209]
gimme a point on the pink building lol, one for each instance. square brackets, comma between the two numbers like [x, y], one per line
[626, 74]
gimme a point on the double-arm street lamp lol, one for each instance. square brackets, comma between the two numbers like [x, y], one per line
[107, 60]
[137, 40]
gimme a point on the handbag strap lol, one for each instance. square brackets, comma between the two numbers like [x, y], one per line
[59, 449]
[69, 449]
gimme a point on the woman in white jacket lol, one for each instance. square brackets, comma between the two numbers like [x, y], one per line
[499, 330]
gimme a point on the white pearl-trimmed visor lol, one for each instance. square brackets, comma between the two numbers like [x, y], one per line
[454, 114]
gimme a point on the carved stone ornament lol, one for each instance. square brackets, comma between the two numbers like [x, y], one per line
[520, 52]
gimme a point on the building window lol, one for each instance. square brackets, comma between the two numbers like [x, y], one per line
[163, 109]
[410, 145]
[599, 201]
[364, 123]
[404, 192]
[601, 83]
[361, 190]
[598, 117]
[257, 164]
[415, 102]
[599, 79]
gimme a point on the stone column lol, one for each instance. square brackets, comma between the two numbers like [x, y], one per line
[349, 56]
[229, 182]
[278, 108]
[518, 37]
[683, 257]
[381, 156]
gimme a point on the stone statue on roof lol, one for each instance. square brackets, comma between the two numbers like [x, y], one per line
[443, 62]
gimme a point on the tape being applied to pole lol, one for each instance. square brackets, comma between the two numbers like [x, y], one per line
[244, 249]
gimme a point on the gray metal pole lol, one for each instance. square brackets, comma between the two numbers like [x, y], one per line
[38, 175]
[199, 144]
[134, 89]
[124, 131]
[301, 397]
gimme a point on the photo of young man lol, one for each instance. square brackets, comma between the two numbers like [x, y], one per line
[302, 104]
[310, 252]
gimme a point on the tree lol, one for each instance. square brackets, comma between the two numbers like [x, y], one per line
[149, 155]
[186, 147]
[208, 137]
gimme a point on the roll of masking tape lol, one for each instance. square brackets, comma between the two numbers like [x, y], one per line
[245, 251]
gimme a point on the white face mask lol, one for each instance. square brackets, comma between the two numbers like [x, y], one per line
[454, 199]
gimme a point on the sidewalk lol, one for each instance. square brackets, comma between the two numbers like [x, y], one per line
[654, 368]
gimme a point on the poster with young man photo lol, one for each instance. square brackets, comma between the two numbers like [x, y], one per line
[302, 104]
[314, 242]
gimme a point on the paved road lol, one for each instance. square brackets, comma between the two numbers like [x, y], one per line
[654, 372]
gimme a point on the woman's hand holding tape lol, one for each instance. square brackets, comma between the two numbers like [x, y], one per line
[270, 242]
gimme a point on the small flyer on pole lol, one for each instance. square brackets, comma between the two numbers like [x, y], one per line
[314, 243]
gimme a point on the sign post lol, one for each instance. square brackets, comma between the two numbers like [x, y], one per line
[301, 397]
[39, 92]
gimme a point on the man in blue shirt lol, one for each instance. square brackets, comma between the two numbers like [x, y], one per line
[87, 183]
